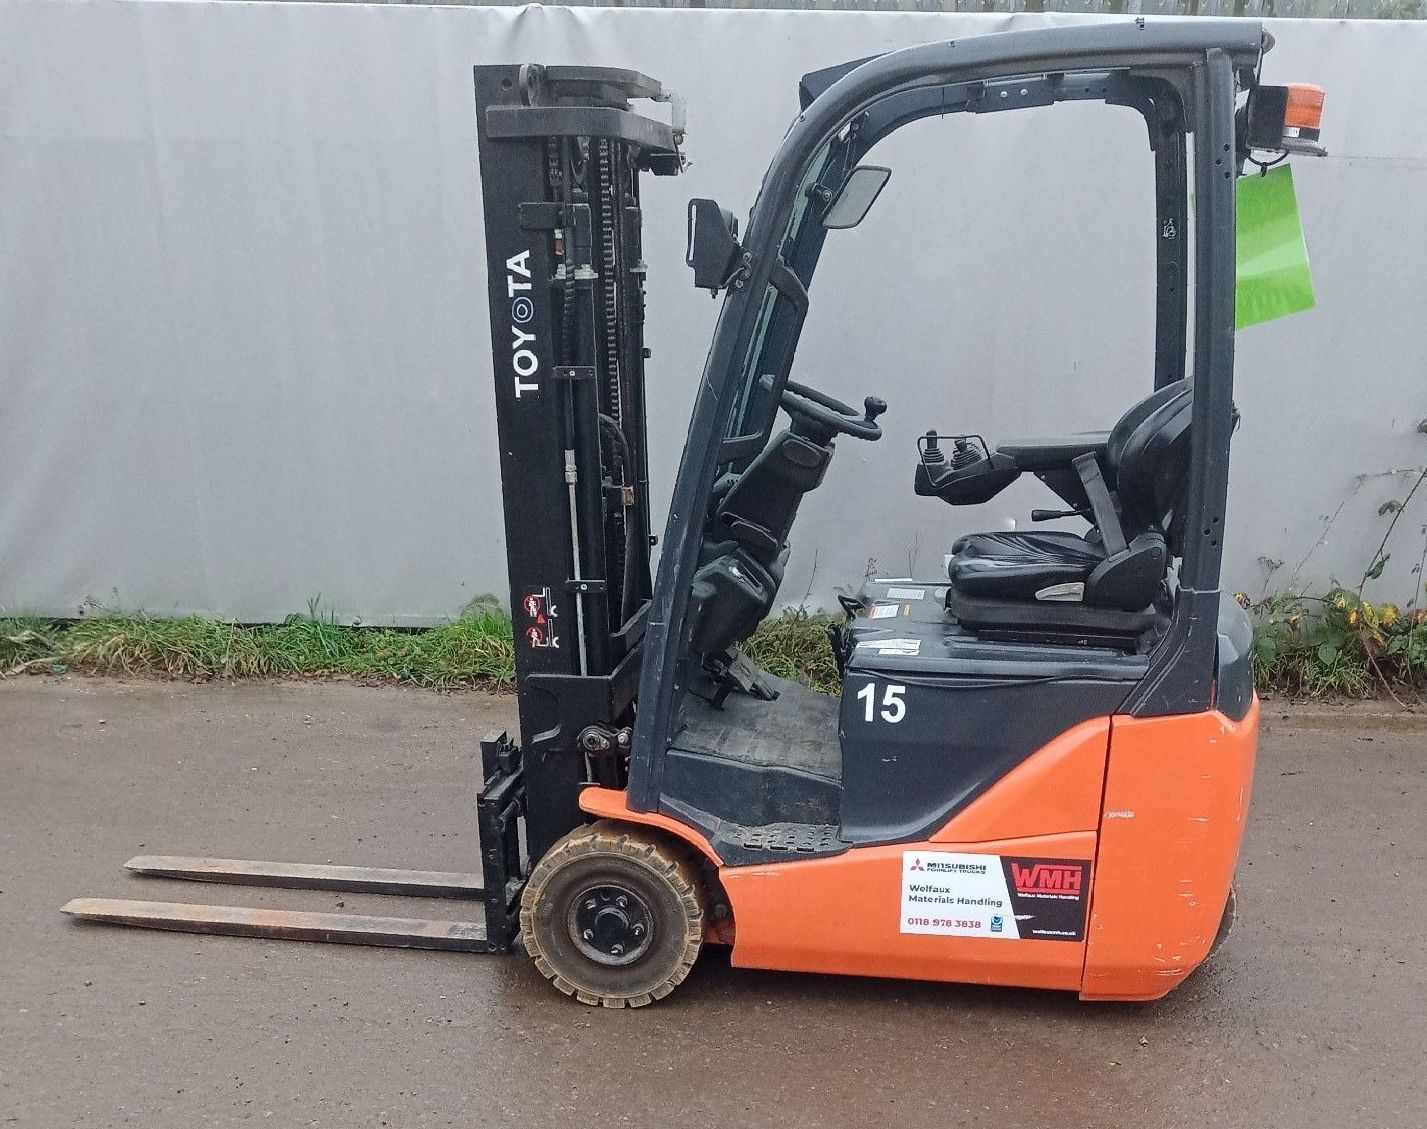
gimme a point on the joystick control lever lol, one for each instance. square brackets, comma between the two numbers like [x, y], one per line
[968, 474]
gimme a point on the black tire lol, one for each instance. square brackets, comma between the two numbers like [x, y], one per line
[1226, 925]
[613, 916]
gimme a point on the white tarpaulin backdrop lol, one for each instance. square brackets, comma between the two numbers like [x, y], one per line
[244, 352]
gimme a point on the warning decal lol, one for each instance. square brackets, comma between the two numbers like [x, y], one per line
[960, 895]
[904, 647]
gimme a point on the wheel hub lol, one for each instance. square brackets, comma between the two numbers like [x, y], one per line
[611, 925]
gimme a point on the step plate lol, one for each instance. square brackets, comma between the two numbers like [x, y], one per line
[311, 876]
[285, 925]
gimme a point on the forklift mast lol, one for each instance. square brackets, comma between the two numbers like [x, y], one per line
[561, 154]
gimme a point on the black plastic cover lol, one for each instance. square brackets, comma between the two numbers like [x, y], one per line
[902, 632]
[1235, 661]
[955, 737]
[1048, 620]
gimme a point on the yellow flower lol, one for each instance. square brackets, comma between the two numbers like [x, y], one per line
[1353, 618]
[1389, 615]
[1340, 603]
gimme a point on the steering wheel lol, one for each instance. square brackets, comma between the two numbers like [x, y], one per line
[830, 415]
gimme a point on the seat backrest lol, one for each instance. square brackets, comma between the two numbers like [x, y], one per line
[1153, 471]
[1130, 422]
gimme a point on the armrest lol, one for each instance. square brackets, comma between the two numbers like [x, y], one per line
[968, 485]
[1107, 521]
[1049, 454]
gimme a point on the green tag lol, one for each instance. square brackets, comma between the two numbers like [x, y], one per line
[1272, 270]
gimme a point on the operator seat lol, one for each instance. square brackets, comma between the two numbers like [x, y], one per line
[1038, 543]
[1122, 565]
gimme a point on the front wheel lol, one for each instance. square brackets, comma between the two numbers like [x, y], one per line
[613, 916]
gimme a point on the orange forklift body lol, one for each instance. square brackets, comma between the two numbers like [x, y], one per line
[1154, 806]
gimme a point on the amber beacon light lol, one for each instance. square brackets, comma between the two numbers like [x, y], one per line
[1286, 119]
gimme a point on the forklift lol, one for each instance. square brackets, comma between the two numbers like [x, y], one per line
[1038, 769]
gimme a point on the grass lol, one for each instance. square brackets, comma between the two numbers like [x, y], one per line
[795, 645]
[1334, 646]
[472, 650]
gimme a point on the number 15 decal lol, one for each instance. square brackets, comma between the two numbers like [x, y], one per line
[894, 706]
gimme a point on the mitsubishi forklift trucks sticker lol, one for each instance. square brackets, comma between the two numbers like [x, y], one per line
[958, 895]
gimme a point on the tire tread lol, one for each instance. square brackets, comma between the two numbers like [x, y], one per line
[664, 860]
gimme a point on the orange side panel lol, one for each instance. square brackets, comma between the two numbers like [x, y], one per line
[1176, 796]
[843, 914]
[1055, 790]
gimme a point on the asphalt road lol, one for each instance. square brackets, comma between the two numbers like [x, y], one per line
[1314, 1013]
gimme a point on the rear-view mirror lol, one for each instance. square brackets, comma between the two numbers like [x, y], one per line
[713, 249]
[859, 191]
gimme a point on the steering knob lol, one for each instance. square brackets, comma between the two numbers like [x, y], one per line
[873, 406]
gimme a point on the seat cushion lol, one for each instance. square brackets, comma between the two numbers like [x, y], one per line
[1015, 542]
[1023, 566]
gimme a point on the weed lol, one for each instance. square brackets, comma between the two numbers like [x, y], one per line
[1340, 643]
